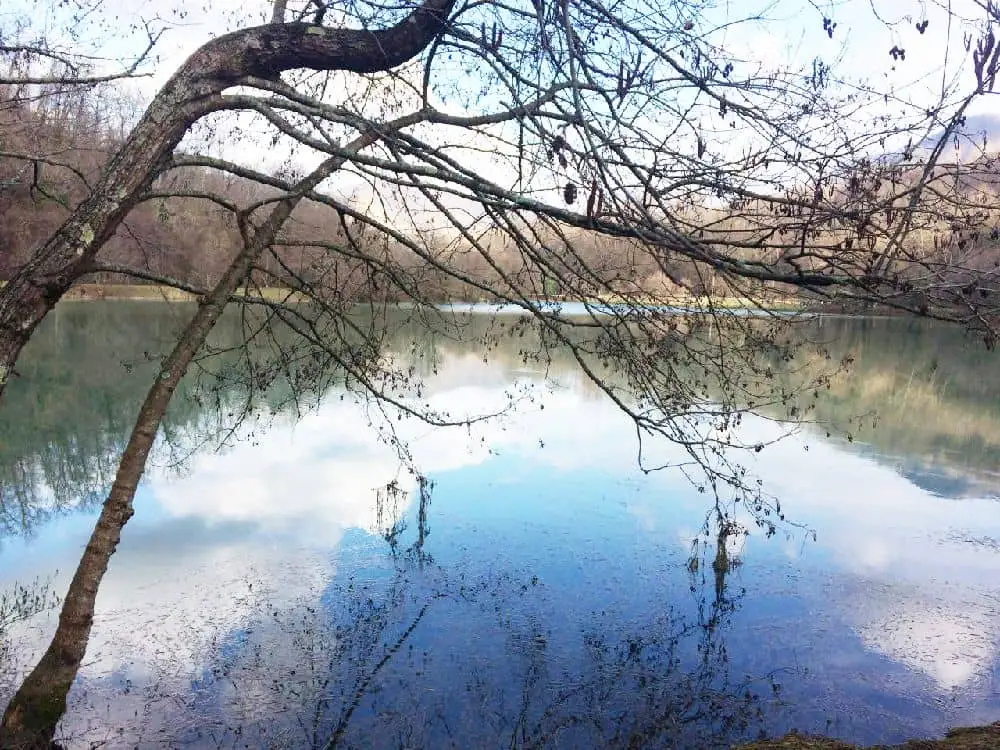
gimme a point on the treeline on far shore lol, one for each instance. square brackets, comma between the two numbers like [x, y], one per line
[183, 238]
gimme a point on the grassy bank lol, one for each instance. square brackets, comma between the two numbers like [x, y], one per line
[966, 738]
[777, 304]
[153, 293]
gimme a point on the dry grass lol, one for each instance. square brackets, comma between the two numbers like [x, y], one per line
[798, 742]
[718, 302]
[153, 293]
[964, 738]
[131, 292]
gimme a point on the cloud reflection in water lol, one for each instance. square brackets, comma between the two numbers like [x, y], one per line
[267, 522]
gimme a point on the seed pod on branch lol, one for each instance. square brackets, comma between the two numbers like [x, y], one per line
[592, 201]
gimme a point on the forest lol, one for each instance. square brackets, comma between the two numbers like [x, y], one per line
[184, 234]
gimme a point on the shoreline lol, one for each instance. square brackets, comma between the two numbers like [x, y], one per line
[960, 738]
[158, 293]
[691, 304]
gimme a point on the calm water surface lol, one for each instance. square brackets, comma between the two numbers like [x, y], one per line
[299, 589]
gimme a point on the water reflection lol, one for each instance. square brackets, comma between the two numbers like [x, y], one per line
[300, 588]
[920, 398]
[62, 430]
[374, 659]
[511, 677]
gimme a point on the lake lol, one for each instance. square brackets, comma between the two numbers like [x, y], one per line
[529, 586]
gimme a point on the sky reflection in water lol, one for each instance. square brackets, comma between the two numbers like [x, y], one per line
[552, 591]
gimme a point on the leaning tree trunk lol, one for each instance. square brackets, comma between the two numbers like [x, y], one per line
[195, 90]
[30, 720]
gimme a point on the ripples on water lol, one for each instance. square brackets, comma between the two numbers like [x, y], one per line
[541, 591]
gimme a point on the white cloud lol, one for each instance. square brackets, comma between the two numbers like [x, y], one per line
[953, 643]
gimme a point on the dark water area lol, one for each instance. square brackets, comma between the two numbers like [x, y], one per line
[531, 587]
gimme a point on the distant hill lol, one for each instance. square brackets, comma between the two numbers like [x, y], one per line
[978, 137]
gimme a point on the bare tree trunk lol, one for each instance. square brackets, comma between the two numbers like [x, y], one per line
[195, 90]
[32, 715]
[66, 255]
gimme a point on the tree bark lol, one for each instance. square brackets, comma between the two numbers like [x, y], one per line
[278, 11]
[30, 720]
[194, 91]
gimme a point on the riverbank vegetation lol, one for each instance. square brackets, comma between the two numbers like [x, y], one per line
[182, 236]
[961, 738]
[90, 292]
